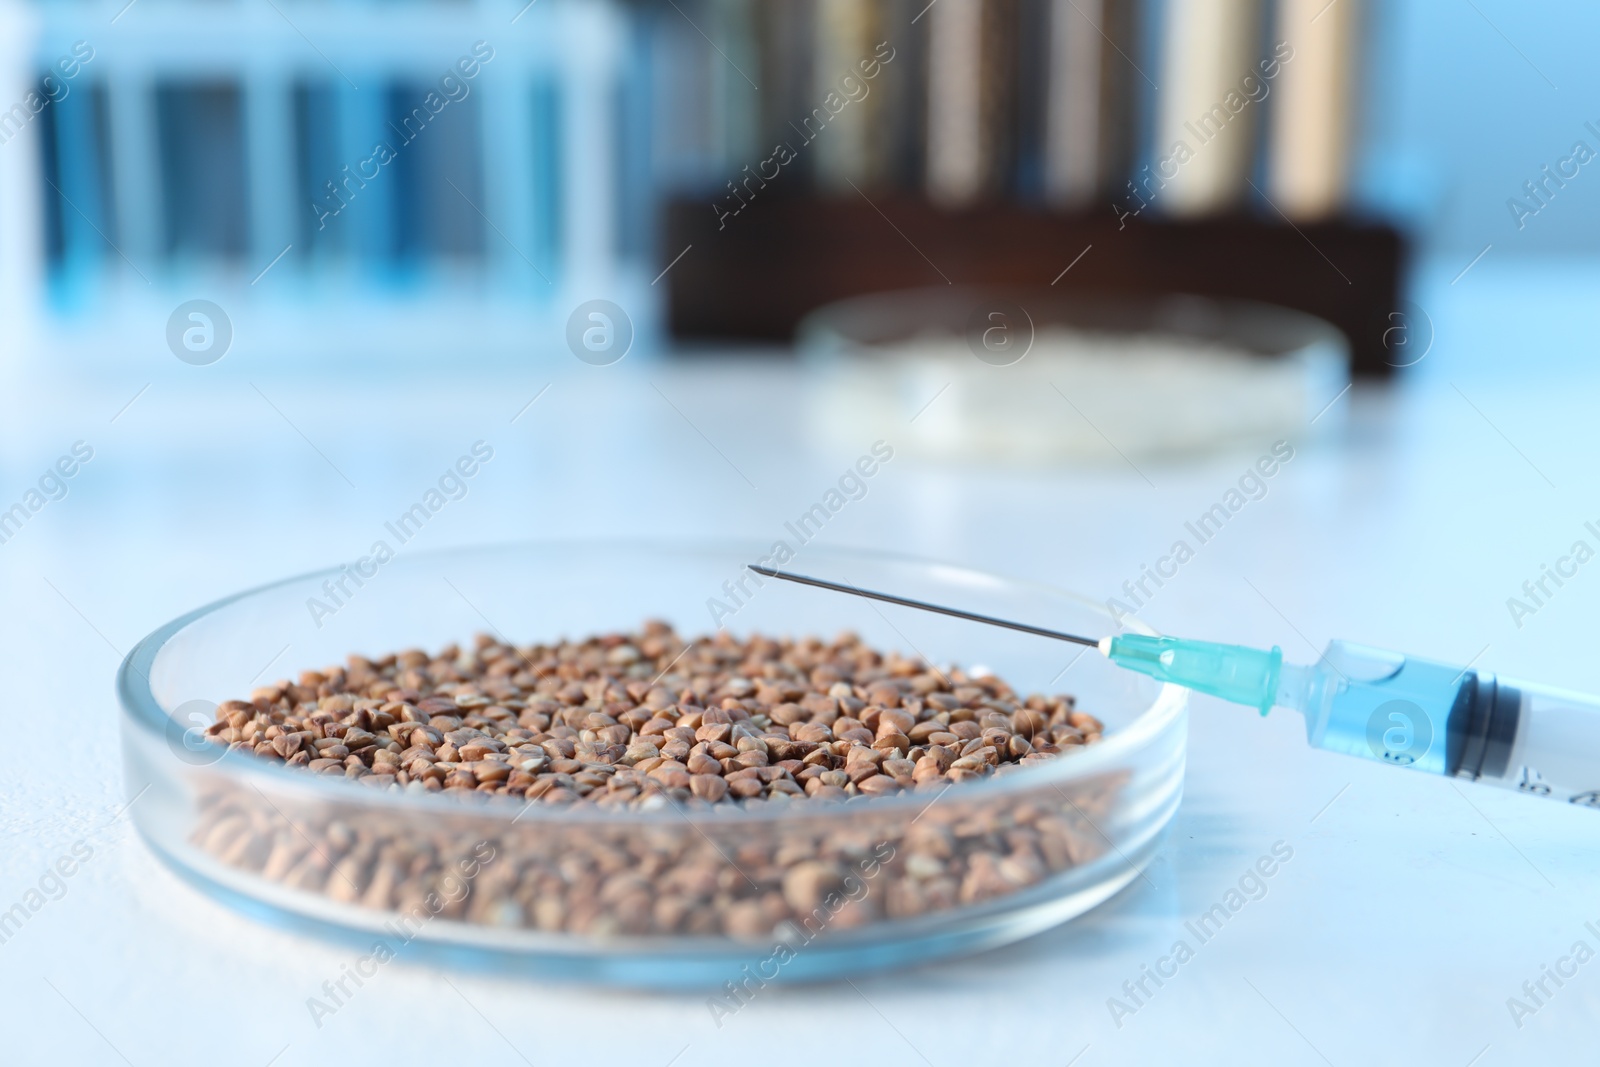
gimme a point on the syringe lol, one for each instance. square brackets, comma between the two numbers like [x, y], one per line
[1361, 701]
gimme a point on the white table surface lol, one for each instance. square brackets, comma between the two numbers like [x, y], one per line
[1411, 910]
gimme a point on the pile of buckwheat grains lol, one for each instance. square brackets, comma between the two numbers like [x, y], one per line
[602, 735]
[640, 720]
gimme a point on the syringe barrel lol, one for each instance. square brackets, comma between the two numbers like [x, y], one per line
[1445, 719]
[1386, 706]
[1533, 738]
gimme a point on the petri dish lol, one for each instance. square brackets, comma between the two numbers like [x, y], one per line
[1039, 377]
[318, 855]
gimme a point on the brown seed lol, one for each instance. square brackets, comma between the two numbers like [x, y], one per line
[891, 743]
[863, 754]
[747, 920]
[899, 768]
[714, 731]
[897, 719]
[1030, 721]
[857, 772]
[788, 714]
[1021, 869]
[616, 734]
[823, 707]
[1085, 722]
[672, 775]
[555, 747]
[877, 785]
[701, 763]
[807, 883]
[640, 751]
[355, 738]
[886, 695]
[488, 770]
[811, 732]
[994, 737]
[709, 787]
[820, 757]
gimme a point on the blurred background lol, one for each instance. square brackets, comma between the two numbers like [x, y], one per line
[163, 150]
[1082, 264]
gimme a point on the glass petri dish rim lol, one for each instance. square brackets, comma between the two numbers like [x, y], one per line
[141, 708]
[871, 322]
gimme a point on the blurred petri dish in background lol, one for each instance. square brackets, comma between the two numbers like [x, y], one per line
[1037, 377]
